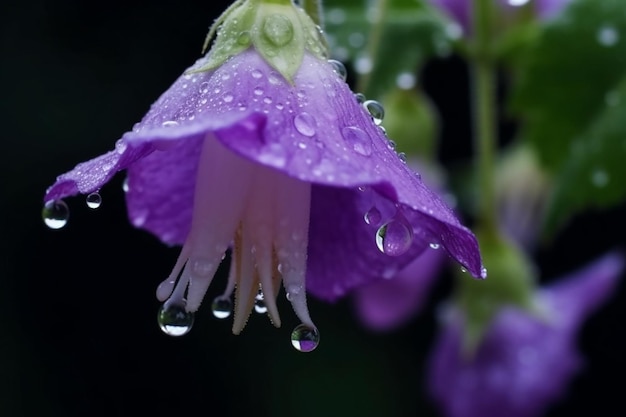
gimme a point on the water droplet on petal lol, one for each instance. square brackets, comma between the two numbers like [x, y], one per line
[305, 124]
[125, 187]
[227, 98]
[169, 123]
[360, 98]
[256, 74]
[94, 200]
[483, 272]
[222, 307]
[517, 3]
[174, 320]
[305, 338]
[434, 246]
[339, 68]
[376, 110]
[394, 237]
[358, 140]
[373, 217]
[278, 29]
[55, 214]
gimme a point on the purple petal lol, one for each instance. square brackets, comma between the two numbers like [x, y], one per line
[313, 130]
[525, 361]
[389, 303]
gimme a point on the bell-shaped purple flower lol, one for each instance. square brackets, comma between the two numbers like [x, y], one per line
[283, 170]
[525, 359]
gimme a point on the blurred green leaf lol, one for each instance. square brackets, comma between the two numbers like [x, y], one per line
[570, 98]
[594, 171]
[384, 39]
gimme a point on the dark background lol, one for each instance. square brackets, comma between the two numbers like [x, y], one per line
[78, 311]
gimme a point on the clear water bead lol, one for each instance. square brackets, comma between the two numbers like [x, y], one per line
[305, 338]
[174, 320]
[55, 214]
[358, 140]
[222, 307]
[373, 217]
[339, 68]
[376, 110]
[278, 29]
[305, 124]
[394, 237]
[94, 200]
[259, 304]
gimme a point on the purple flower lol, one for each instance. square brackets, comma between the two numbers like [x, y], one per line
[283, 172]
[525, 359]
[461, 10]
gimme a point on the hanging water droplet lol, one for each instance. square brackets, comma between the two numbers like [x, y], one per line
[55, 214]
[339, 68]
[221, 307]
[259, 304]
[376, 110]
[305, 338]
[607, 35]
[373, 217]
[125, 187]
[94, 200]
[305, 124]
[169, 123]
[174, 320]
[358, 140]
[278, 29]
[394, 237]
[483, 272]
[434, 246]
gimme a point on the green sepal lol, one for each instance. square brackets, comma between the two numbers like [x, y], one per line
[278, 30]
[510, 282]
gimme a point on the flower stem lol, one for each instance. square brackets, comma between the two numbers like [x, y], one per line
[484, 115]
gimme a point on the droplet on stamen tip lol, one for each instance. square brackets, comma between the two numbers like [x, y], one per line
[305, 338]
[55, 214]
[259, 304]
[394, 237]
[174, 320]
[94, 200]
[222, 307]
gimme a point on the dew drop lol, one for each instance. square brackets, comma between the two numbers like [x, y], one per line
[259, 304]
[125, 186]
[94, 200]
[358, 140]
[244, 38]
[373, 217]
[360, 98]
[483, 272]
[55, 214]
[278, 29]
[518, 3]
[221, 307]
[394, 237]
[227, 98]
[174, 320]
[434, 246]
[256, 74]
[339, 68]
[376, 110]
[169, 123]
[305, 338]
[305, 124]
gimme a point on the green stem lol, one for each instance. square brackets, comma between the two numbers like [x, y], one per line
[314, 9]
[373, 42]
[484, 115]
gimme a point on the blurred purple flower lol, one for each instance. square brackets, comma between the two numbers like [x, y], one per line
[525, 360]
[461, 10]
[281, 171]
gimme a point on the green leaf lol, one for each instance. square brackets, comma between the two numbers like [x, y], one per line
[577, 60]
[409, 32]
[572, 99]
[595, 169]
